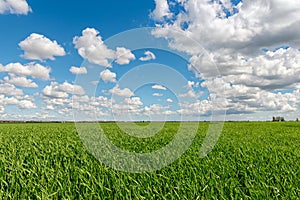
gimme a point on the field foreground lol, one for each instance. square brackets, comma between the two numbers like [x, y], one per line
[252, 160]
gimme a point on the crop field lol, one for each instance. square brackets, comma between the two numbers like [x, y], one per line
[251, 160]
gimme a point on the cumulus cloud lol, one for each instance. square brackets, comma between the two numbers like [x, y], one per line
[86, 109]
[2, 109]
[253, 46]
[10, 95]
[56, 90]
[269, 70]
[34, 70]
[26, 104]
[19, 7]
[126, 92]
[157, 95]
[131, 105]
[57, 101]
[244, 99]
[23, 102]
[91, 104]
[189, 94]
[90, 46]
[158, 87]
[155, 109]
[195, 108]
[148, 56]
[124, 56]
[254, 25]
[50, 107]
[52, 92]
[71, 89]
[169, 100]
[20, 81]
[10, 90]
[161, 10]
[191, 84]
[39, 47]
[78, 70]
[108, 76]
[133, 101]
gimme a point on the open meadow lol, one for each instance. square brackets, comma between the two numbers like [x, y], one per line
[252, 160]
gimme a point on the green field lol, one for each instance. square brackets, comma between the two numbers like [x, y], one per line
[252, 160]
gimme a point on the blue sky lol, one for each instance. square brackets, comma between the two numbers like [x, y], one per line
[57, 57]
[62, 20]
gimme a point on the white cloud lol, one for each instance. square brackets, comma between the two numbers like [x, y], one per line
[169, 100]
[159, 87]
[108, 76]
[155, 109]
[87, 107]
[8, 100]
[123, 56]
[15, 97]
[19, 7]
[168, 112]
[93, 102]
[161, 10]
[10, 90]
[52, 92]
[50, 107]
[126, 92]
[78, 70]
[189, 94]
[148, 56]
[39, 47]
[133, 101]
[57, 101]
[84, 98]
[191, 84]
[71, 89]
[131, 105]
[233, 44]
[26, 104]
[55, 90]
[31, 69]
[243, 99]
[157, 94]
[20, 81]
[195, 108]
[257, 24]
[269, 70]
[91, 47]
[2, 109]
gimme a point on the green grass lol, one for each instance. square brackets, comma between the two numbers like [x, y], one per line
[252, 160]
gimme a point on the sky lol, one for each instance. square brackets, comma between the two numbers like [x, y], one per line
[149, 60]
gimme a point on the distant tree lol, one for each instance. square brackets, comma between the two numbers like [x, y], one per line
[278, 119]
[297, 120]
